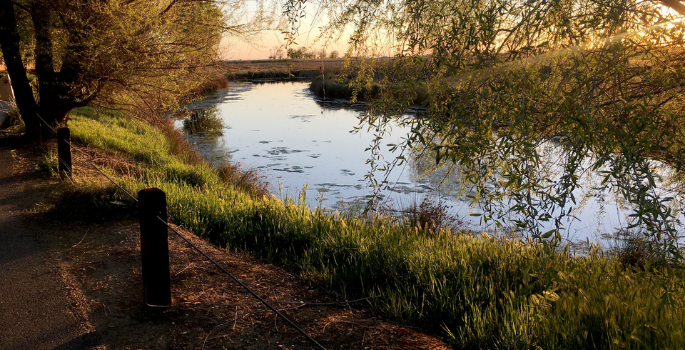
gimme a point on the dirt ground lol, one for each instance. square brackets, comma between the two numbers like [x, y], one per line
[99, 274]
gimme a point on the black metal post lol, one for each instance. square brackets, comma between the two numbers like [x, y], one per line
[154, 247]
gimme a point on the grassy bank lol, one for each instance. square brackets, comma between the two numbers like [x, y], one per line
[479, 292]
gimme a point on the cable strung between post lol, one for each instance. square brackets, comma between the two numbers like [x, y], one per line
[291, 323]
[91, 163]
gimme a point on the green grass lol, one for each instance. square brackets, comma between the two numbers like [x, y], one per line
[48, 165]
[478, 292]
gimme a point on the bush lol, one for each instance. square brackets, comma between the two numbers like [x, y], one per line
[48, 165]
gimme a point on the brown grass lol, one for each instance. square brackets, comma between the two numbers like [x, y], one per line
[249, 180]
[180, 147]
[281, 68]
[213, 84]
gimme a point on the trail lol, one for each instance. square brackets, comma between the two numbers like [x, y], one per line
[36, 310]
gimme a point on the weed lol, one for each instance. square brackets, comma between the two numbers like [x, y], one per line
[48, 165]
[632, 250]
[432, 216]
[215, 83]
[178, 145]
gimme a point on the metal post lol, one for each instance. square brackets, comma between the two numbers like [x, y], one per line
[154, 247]
[64, 152]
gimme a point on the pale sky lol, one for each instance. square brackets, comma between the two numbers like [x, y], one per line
[264, 43]
[262, 46]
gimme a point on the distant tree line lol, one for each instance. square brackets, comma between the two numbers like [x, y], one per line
[301, 53]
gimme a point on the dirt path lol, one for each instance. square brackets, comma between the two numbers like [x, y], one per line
[79, 286]
[37, 311]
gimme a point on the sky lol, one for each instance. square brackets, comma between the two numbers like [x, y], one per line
[263, 44]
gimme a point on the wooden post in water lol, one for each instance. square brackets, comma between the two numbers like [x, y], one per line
[64, 152]
[154, 247]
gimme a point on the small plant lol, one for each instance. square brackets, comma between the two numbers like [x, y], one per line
[432, 216]
[12, 119]
[48, 165]
[247, 180]
[633, 250]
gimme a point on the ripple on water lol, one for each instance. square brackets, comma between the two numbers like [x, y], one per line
[333, 185]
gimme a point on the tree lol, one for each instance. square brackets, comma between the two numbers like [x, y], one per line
[334, 55]
[301, 53]
[504, 77]
[127, 53]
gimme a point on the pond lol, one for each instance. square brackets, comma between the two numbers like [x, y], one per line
[301, 143]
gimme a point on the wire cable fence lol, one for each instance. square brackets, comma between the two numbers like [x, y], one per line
[196, 248]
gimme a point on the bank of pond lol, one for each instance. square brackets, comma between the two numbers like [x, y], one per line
[477, 291]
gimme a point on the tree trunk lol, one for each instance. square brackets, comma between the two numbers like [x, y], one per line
[23, 94]
[48, 106]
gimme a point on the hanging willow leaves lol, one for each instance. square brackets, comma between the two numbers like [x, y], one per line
[503, 78]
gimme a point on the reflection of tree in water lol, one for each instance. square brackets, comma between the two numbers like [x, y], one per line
[445, 178]
[204, 128]
[204, 122]
[450, 181]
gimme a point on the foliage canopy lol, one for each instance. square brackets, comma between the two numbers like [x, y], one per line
[503, 78]
[126, 54]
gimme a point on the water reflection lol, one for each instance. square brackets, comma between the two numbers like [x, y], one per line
[598, 211]
[204, 128]
[298, 141]
[204, 122]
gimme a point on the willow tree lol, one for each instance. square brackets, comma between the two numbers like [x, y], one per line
[123, 52]
[505, 77]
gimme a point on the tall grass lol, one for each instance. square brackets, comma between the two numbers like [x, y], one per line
[479, 292]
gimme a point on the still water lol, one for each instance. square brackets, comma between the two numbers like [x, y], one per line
[301, 143]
